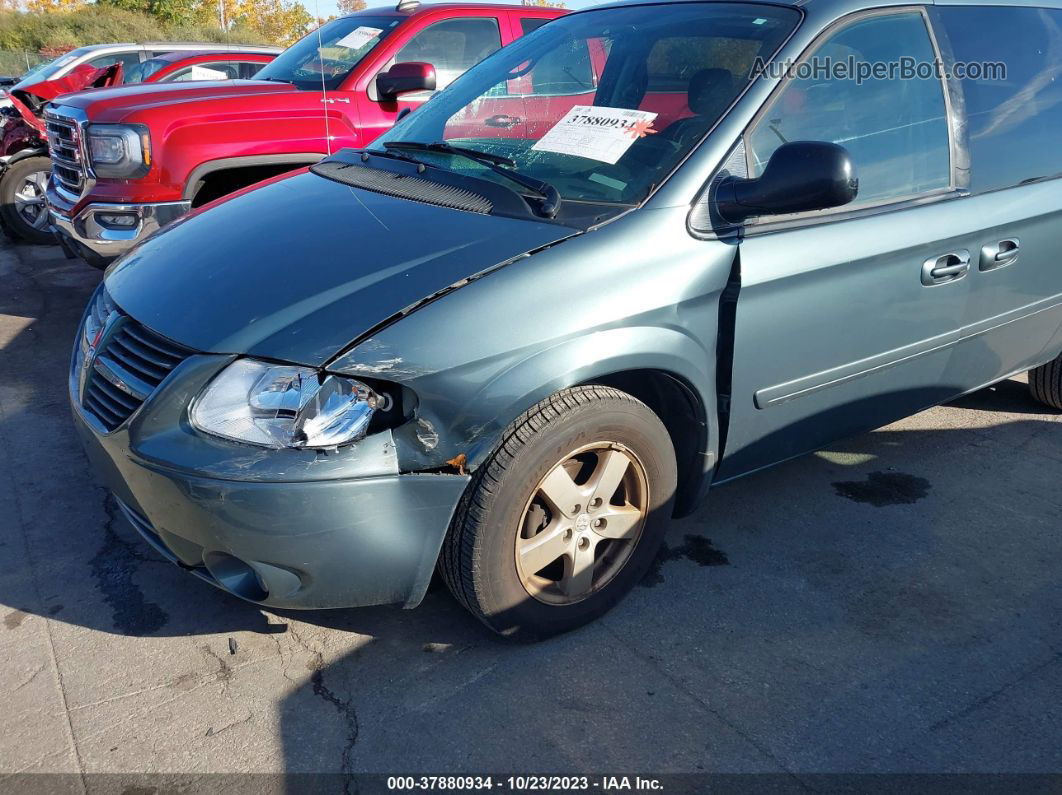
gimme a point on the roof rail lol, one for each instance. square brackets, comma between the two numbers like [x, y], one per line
[407, 5]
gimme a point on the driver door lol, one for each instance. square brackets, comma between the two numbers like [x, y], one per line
[841, 325]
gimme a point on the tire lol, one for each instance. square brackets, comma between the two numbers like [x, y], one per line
[22, 200]
[588, 439]
[1045, 383]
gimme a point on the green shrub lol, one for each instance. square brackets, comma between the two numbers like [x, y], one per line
[23, 35]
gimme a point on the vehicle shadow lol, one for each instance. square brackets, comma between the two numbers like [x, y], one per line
[807, 607]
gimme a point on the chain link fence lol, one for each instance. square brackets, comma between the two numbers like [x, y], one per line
[14, 63]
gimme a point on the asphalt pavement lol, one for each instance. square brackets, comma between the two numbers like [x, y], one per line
[892, 604]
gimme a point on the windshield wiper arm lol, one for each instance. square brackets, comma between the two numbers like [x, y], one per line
[398, 154]
[551, 198]
[441, 146]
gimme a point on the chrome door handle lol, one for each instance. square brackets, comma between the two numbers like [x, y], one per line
[999, 255]
[503, 120]
[946, 268]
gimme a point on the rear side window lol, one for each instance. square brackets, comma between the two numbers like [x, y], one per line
[249, 69]
[531, 24]
[895, 129]
[1014, 119]
[215, 70]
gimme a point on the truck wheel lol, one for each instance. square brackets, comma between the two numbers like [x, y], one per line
[22, 199]
[565, 517]
[1045, 383]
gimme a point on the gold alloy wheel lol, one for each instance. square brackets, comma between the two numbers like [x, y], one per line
[582, 523]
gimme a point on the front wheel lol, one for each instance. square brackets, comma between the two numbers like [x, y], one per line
[22, 199]
[565, 517]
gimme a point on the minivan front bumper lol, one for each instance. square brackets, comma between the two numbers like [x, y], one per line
[89, 230]
[281, 528]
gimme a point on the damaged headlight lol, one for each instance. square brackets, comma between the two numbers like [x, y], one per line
[276, 405]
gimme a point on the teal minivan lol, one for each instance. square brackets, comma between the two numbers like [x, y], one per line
[646, 249]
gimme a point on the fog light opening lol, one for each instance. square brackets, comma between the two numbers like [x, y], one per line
[119, 221]
[236, 576]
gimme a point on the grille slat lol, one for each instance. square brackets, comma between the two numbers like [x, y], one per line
[145, 371]
[146, 353]
[145, 357]
[163, 346]
[98, 406]
[115, 395]
[64, 147]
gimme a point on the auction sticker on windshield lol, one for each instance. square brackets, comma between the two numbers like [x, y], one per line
[603, 134]
[359, 37]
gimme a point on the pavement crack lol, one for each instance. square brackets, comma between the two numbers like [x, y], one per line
[682, 688]
[225, 670]
[212, 732]
[989, 697]
[31, 677]
[345, 707]
[113, 567]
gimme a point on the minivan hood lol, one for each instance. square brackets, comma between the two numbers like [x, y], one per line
[127, 99]
[298, 268]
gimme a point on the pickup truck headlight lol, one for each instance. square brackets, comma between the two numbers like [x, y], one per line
[274, 405]
[119, 150]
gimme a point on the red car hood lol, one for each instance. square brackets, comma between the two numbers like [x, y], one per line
[77, 79]
[124, 100]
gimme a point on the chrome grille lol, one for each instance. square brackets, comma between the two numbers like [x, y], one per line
[130, 364]
[64, 146]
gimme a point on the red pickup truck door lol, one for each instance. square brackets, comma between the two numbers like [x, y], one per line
[451, 44]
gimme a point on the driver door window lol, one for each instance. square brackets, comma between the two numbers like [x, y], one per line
[894, 126]
[452, 47]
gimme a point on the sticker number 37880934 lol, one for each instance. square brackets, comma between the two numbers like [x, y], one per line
[603, 134]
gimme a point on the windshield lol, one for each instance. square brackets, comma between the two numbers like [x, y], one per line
[603, 104]
[343, 43]
[142, 71]
[48, 69]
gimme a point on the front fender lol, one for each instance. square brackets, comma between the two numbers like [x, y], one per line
[582, 310]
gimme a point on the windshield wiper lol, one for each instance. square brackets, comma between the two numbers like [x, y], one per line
[551, 198]
[396, 154]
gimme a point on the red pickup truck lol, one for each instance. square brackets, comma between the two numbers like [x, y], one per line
[130, 159]
[24, 163]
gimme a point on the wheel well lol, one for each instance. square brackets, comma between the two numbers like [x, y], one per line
[679, 407]
[224, 181]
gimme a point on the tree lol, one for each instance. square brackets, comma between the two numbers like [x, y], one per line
[350, 6]
[282, 21]
[543, 3]
[37, 6]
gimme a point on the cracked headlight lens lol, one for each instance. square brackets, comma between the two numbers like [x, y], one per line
[279, 406]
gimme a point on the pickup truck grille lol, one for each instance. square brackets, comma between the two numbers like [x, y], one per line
[127, 369]
[64, 146]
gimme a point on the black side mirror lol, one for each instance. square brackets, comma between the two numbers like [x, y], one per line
[403, 78]
[800, 176]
